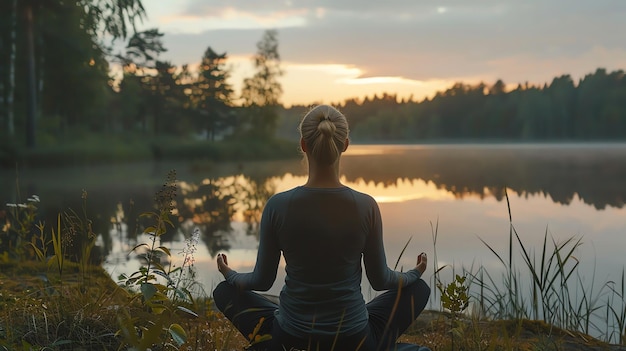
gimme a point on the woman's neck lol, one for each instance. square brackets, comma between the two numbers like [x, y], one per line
[323, 176]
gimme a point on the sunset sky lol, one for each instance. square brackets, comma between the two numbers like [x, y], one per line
[332, 50]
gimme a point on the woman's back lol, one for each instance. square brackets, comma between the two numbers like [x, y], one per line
[322, 233]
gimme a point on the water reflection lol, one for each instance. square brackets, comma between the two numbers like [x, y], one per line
[252, 195]
[213, 204]
[210, 207]
[594, 172]
[565, 190]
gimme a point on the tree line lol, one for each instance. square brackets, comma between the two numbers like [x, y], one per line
[594, 108]
[56, 81]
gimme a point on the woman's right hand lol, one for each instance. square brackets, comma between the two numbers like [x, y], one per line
[222, 264]
[422, 260]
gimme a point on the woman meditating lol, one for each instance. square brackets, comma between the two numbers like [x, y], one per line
[323, 229]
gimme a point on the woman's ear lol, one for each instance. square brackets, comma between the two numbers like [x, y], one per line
[345, 144]
[303, 145]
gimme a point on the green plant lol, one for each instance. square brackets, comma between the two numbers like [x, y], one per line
[616, 309]
[21, 225]
[160, 292]
[58, 248]
[181, 280]
[78, 228]
[455, 298]
[434, 230]
[255, 337]
[16, 233]
[70, 226]
[39, 243]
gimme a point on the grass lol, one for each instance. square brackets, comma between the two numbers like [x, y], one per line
[38, 311]
[539, 302]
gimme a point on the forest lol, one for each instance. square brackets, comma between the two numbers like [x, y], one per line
[594, 108]
[58, 85]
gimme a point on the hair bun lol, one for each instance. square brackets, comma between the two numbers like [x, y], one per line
[324, 130]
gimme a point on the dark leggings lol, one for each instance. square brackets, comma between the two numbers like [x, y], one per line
[388, 319]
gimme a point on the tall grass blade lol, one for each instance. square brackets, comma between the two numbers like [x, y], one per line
[434, 232]
[402, 253]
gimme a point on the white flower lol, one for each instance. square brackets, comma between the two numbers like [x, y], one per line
[195, 237]
[190, 248]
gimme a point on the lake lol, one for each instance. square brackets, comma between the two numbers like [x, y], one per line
[564, 190]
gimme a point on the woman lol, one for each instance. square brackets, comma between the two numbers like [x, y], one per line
[323, 230]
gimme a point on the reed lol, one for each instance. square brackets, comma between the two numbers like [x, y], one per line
[616, 311]
[547, 286]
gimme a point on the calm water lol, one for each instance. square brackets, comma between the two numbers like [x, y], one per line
[567, 190]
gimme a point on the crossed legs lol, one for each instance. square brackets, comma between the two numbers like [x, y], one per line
[390, 314]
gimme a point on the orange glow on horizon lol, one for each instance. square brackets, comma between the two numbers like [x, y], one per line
[307, 84]
[333, 83]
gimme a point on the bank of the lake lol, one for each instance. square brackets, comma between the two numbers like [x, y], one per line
[79, 310]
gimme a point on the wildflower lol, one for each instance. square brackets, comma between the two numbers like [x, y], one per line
[193, 241]
[34, 198]
[165, 196]
[11, 205]
[191, 248]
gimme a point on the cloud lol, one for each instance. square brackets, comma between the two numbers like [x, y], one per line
[442, 40]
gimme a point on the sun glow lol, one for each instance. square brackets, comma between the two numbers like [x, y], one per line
[402, 190]
[365, 150]
[332, 82]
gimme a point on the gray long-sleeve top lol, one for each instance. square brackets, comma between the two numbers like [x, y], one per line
[322, 233]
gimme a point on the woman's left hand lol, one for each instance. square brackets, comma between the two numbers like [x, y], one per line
[422, 260]
[222, 264]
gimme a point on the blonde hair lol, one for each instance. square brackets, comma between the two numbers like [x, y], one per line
[324, 130]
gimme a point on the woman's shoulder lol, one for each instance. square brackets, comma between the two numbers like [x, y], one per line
[281, 197]
[362, 197]
[359, 193]
[287, 194]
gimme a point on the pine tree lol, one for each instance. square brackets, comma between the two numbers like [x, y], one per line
[212, 94]
[261, 93]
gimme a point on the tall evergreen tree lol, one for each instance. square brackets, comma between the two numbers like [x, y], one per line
[164, 97]
[261, 93]
[139, 63]
[212, 94]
